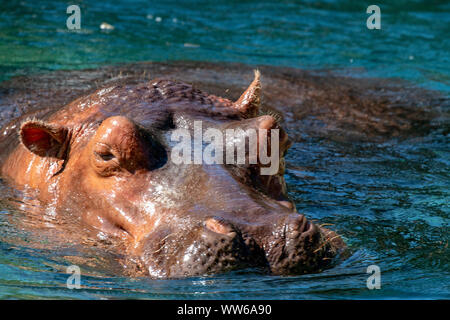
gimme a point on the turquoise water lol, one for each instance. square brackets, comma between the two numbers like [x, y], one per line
[413, 42]
[390, 200]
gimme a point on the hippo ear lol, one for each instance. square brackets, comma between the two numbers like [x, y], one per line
[44, 139]
[250, 100]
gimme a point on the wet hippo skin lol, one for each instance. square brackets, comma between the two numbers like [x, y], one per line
[104, 158]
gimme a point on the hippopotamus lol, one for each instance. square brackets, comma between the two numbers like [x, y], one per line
[105, 159]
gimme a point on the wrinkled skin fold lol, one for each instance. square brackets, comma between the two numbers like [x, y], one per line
[106, 158]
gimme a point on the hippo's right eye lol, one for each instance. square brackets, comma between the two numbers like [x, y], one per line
[105, 156]
[104, 160]
[103, 152]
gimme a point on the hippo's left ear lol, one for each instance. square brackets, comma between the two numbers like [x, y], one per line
[250, 100]
[44, 139]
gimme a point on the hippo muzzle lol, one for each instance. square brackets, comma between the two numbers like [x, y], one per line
[263, 235]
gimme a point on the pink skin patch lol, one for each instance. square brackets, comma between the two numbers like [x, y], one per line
[34, 134]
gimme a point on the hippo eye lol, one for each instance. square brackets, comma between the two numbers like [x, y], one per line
[105, 156]
[105, 160]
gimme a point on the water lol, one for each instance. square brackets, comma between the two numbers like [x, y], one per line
[389, 200]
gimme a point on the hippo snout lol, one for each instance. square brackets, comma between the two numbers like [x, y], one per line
[216, 245]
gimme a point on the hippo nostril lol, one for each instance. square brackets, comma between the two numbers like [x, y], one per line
[219, 225]
[298, 225]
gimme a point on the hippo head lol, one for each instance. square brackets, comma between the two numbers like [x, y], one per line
[125, 160]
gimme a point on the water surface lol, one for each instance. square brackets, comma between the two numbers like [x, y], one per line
[389, 200]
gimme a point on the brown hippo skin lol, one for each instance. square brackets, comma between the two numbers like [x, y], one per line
[105, 159]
